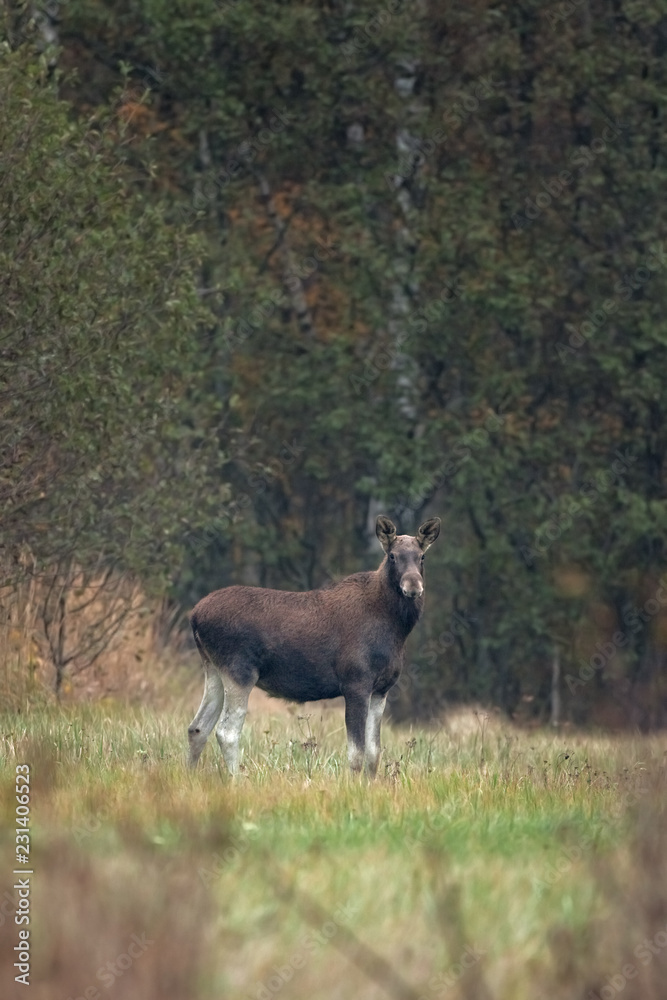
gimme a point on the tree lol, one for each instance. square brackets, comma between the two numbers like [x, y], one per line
[488, 335]
[103, 462]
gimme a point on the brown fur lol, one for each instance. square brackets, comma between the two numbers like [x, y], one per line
[347, 640]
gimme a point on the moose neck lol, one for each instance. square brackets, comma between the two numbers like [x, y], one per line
[403, 611]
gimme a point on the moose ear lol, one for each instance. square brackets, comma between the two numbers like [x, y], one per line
[386, 531]
[428, 533]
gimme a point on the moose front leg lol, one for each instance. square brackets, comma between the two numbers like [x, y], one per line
[356, 714]
[373, 725]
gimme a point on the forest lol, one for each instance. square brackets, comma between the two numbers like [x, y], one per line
[270, 268]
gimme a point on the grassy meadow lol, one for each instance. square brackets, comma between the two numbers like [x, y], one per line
[484, 862]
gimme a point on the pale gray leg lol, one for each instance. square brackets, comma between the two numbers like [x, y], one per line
[373, 724]
[202, 725]
[231, 722]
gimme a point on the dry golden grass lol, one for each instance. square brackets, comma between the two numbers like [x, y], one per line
[485, 863]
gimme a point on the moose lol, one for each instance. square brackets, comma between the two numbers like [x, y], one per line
[345, 640]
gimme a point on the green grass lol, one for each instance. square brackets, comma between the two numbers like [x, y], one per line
[478, 836]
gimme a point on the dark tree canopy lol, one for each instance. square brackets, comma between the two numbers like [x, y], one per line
[429, 278]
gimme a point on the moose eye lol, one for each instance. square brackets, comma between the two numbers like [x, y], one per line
[392, 558]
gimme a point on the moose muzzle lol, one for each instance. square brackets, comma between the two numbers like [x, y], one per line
[412, 585]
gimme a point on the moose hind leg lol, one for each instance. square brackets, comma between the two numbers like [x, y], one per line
[202, 725]
[231, 722]
[373, 725]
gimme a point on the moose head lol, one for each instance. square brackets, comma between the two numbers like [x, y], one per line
[405, 554]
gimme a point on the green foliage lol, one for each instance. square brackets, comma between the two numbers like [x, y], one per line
[99, 312]
[486, 334]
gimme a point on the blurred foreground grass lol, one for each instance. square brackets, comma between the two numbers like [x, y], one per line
[484, 862]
